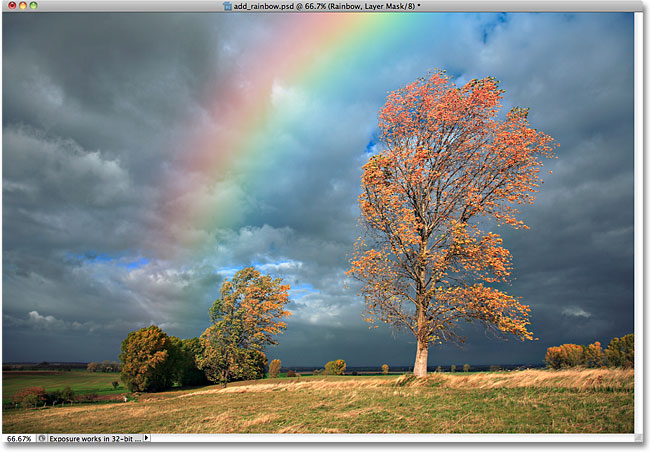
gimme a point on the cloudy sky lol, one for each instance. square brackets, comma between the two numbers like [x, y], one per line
[147, 157]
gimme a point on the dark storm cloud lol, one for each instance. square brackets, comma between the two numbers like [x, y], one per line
[98, 109]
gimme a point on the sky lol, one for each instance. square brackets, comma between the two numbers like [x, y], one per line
[148, 157]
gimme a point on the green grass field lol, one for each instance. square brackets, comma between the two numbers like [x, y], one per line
[533, 401]
[81, 382]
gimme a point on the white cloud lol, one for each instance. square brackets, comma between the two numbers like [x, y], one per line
[576, 311]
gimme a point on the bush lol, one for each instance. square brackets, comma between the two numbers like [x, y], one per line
[224, 361]
[316, 372]
[93, 367]
[31, 397]
[274, 368]
[494, 368]
[566, 355]
[465, 367]
[438, 369]
[148, 360]
[67, 395]
[384, 369]
[453, 368]
[115, 384]
[335, 367]
[291, 374]
[187, 370]
[593, 355]
[620, 352]
[54, 397]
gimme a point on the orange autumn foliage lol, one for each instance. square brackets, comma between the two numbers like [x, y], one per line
[447, 162]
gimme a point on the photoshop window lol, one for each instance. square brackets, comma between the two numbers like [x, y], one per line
[359, 221]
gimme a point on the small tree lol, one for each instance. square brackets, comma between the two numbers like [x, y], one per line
[244, 320]
[465, 367]
[67, 395]
[31, 397]
[93, 367]
[594, 355]
[187, 370]
[335, 367]
[115, 384]
[453, 368]
[620, 352]
[222, 362]
[438, 369]
[148, 360]
[553, 357]
[384, 369]
[53, 397]
[274, 368]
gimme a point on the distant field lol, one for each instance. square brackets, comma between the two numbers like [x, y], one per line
[531, 401]
[80, 381]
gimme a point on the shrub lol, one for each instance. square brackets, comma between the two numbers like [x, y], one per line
[224, 361]
[67, 395]
[291, 373]
[54, 397]
[494, 368]
[335, 367]
[620, 352]
[453, 367]
[384, 369]
[438, 369]
[465, 367]
[274, 368]
[115, 384]
[316, 372]
[31, 397]
[553, 357]
[594, 355]
[255, 368]
[566, 355]
[186, 358]
[93, 367]
[148, 360]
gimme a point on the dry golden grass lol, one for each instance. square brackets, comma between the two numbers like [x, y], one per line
[537, 401]
[581, 379]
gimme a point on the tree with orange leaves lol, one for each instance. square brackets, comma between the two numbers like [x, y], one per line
[244, 321]
[447, 162]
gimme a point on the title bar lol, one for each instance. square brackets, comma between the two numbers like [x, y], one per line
[230, 6]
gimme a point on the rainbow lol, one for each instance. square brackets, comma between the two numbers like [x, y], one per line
[303, 50]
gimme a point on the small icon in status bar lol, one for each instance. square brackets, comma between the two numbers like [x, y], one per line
[12, 5]
[227, 6]
[33, 5]
[22, 5]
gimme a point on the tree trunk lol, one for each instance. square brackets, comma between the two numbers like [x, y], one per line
[421, 359]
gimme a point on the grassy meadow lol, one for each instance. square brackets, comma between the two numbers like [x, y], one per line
[81, 381]
[529, 401]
